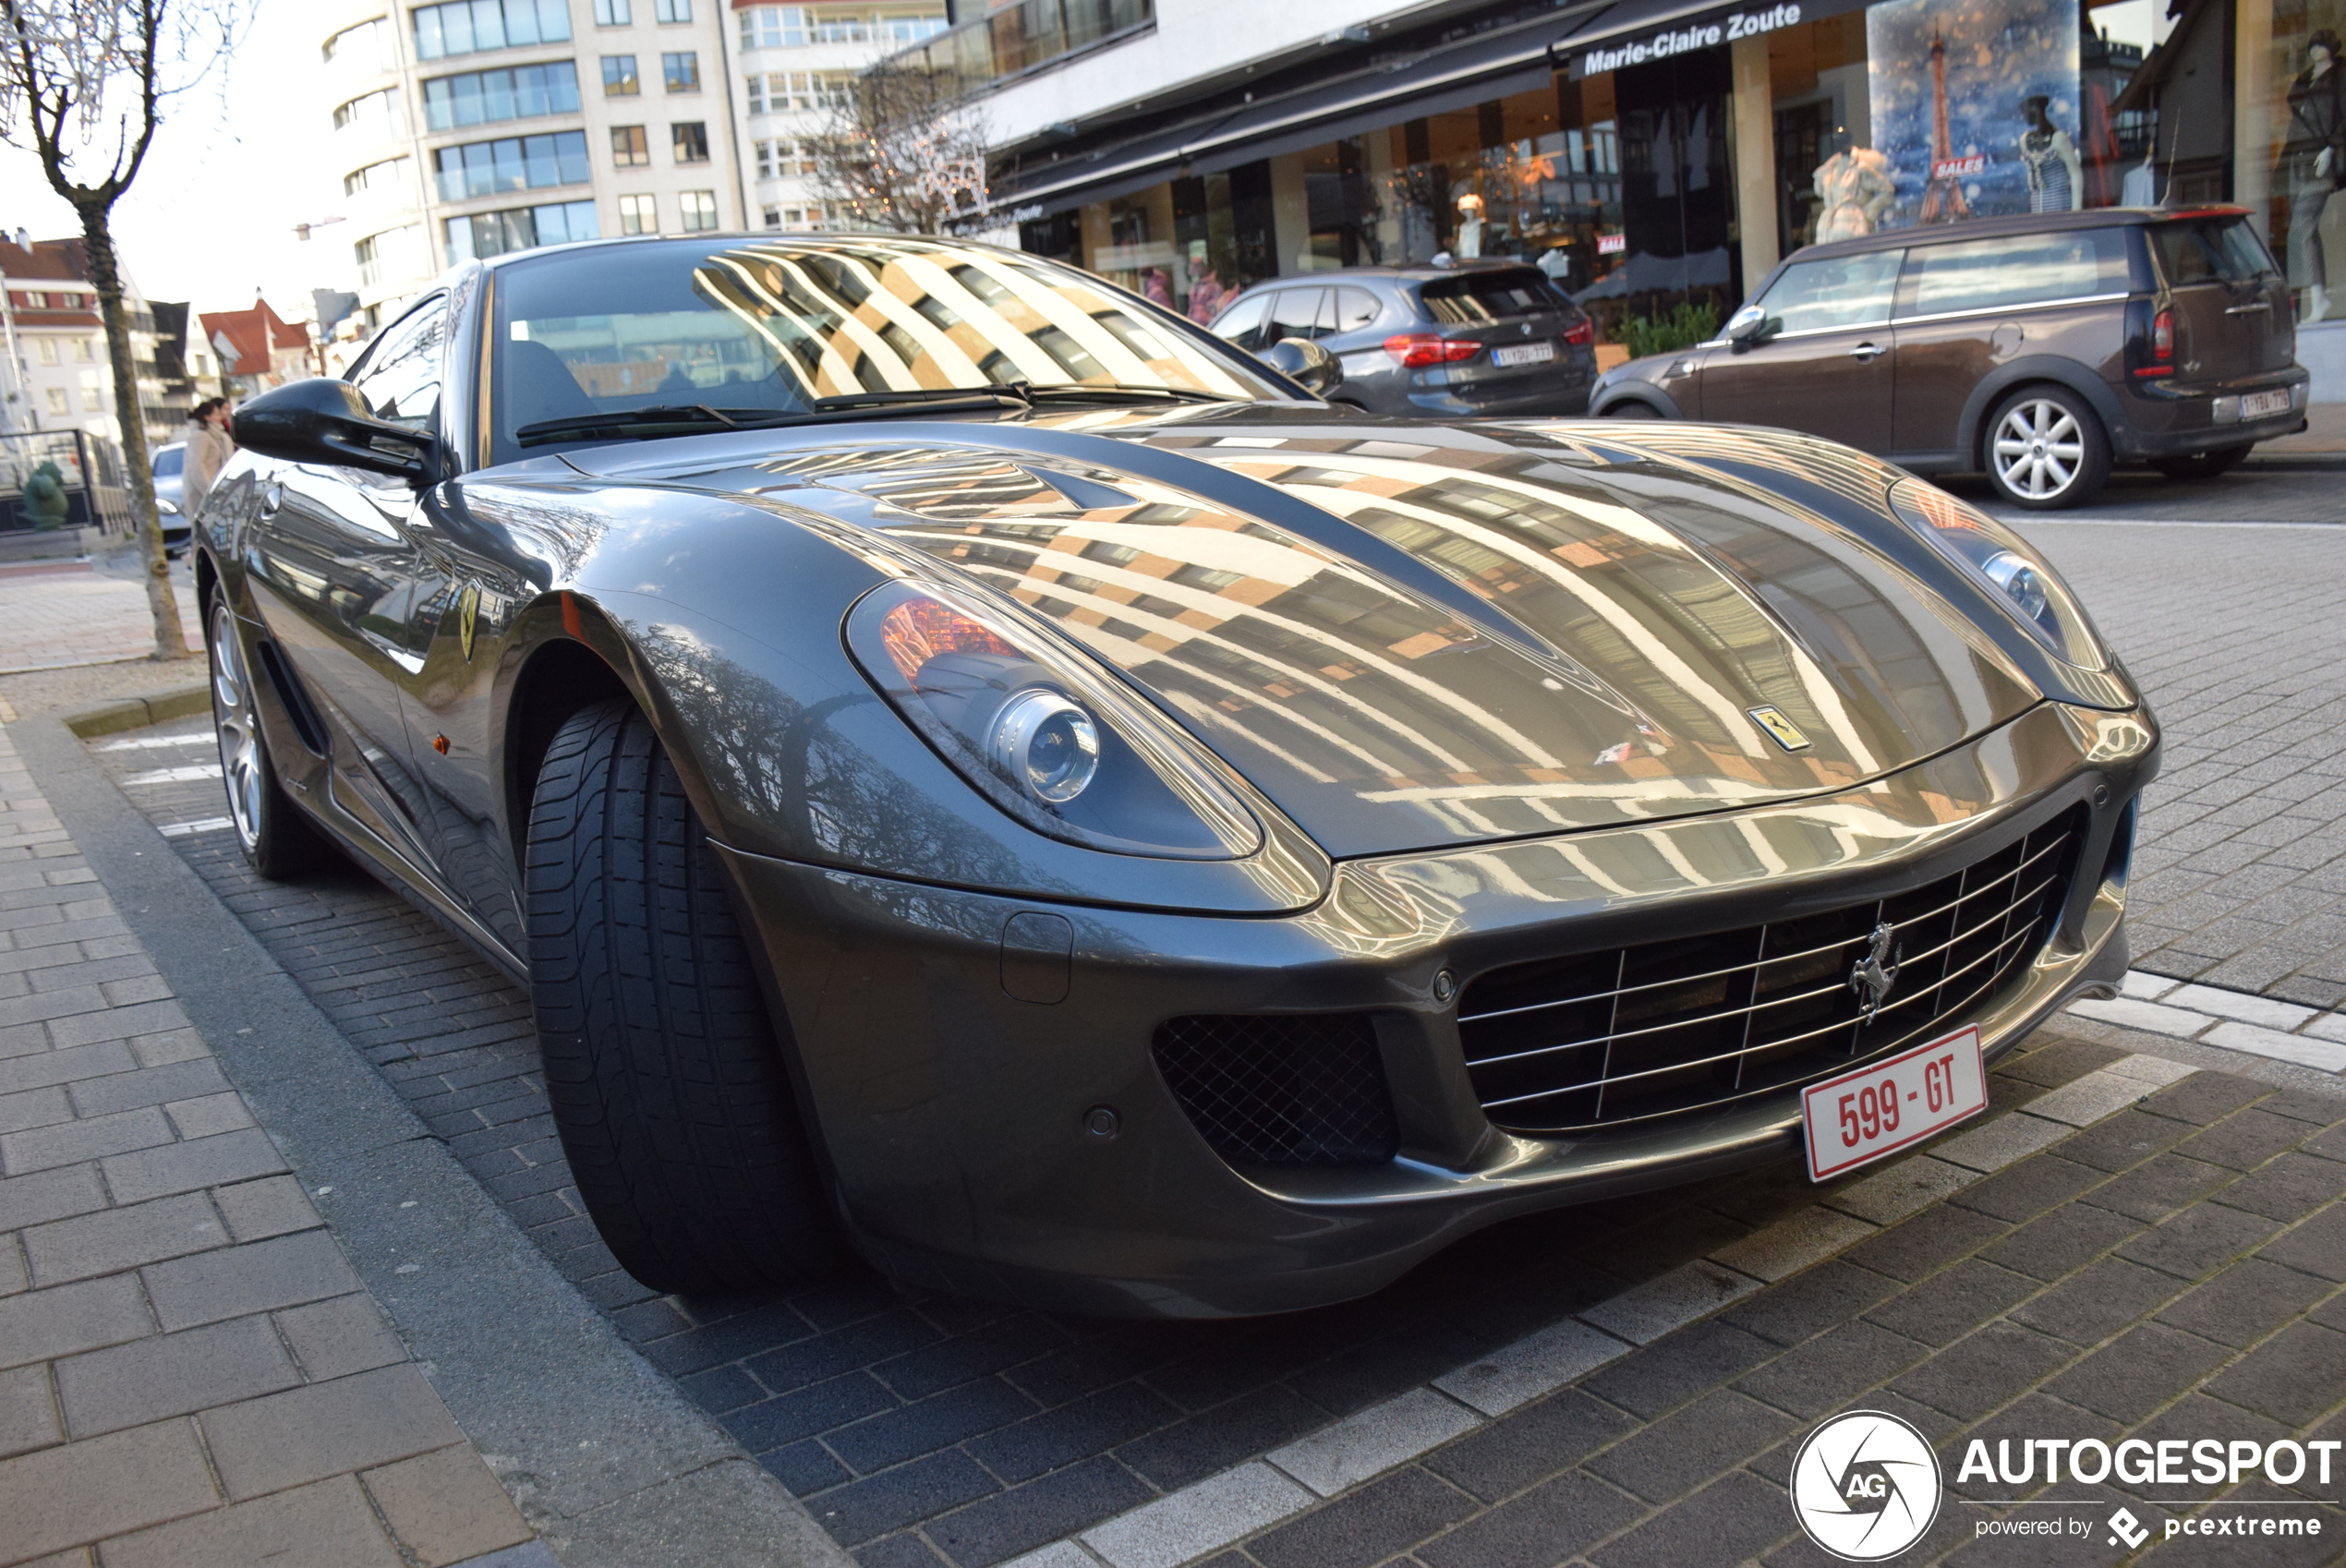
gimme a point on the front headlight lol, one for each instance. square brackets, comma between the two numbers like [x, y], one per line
[2026, 584]
[1057, 746]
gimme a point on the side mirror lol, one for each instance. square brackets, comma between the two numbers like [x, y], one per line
[324, 420]
[1307, 364]
[1747, 325]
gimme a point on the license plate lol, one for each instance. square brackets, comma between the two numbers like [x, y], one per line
[1524, 353]
[2258, 406]
[1860, 1116]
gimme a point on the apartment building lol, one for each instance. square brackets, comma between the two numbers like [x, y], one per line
[476, 128]
[792, 64]
[58, 376]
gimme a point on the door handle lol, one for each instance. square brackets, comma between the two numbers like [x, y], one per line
[1865, 353]
[273, 496]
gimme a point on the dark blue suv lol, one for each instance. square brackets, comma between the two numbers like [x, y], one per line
[1477, 338]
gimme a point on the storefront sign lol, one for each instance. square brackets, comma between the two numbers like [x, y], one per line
[1957, 168]
[1612, 245]
[1684, 40]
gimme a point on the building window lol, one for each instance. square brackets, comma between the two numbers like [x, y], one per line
[390, 255]
[776, 92]
[780, 160]
[468, 27]
[81, 350]
[365, 47]
[519, 228]
[787, 26]
[638, 215]
[690, 139]
[514, 163]
[629, 147]
[673, 10]
[374, 114]
[375, 176]
[910, 28]
[48, 346]
[773, 26]
[614, 13]
[618, 77]
[92, 400]
[699, 209]
[522, 92]
[680, 70]
[772, 217]
[57, 404]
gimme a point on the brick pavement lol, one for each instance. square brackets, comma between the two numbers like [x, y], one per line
[191, 1373]
[67, 613]
[2238, 634]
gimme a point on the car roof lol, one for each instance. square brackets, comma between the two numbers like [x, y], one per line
[2000, 228]
[1418, 272]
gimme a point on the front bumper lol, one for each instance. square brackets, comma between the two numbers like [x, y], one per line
[957, 1119]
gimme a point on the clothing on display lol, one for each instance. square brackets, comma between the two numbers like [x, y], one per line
[2311, 164]
[2051, 157]
[1856, 189]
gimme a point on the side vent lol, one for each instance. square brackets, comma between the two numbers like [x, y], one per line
[1291, 1090]
[295, 700]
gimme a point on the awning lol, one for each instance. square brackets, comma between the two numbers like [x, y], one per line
[1605, 35]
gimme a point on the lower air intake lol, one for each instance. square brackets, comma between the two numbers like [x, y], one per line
[1302, 1089]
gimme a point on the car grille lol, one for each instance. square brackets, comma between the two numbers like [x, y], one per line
[1304, 1090]
[1601, 1039]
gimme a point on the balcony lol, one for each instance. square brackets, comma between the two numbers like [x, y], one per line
[1006, 44]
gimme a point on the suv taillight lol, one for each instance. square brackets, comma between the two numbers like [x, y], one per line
[1581, 333]
[2154, 353]
[1425, 348]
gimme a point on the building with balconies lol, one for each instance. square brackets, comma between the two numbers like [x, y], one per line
[481, 126]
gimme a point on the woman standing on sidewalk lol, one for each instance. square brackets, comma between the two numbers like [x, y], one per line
[209, 450]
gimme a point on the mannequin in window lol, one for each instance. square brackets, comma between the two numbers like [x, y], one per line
[2055, 176]
[1469, 244]
[2310, 167]
[1856, 189]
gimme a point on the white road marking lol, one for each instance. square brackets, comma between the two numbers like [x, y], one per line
[173, 775]
[150, 742]
[182, 829]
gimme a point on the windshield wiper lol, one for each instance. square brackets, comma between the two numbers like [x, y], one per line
[669, 420]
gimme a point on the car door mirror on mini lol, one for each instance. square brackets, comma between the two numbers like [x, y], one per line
[324, 420]
[1306, 364]
[1746, 327]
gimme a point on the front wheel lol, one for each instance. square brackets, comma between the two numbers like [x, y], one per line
[2047, 449]
[277, 841]
[2202, 465]
[662, 1067]
[1632, 409]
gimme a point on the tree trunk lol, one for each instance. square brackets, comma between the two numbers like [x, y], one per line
[171, 640]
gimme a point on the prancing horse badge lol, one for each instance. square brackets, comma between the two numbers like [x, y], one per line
[467, 608]
[1782, 730]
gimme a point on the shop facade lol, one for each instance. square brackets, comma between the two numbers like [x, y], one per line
[1657, 159]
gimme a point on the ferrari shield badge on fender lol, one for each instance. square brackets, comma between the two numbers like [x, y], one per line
[1779, 729]
[467, 610]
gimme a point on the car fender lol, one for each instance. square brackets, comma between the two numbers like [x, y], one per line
[1635, 391]
[2054, 368]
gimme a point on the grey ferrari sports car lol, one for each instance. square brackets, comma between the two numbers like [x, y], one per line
[982, 776]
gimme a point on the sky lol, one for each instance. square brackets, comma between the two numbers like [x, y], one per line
[239, 161]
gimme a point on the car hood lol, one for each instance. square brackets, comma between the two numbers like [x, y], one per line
[1410, 636]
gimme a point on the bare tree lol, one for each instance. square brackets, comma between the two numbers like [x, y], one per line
[81, 84]
[899, 154]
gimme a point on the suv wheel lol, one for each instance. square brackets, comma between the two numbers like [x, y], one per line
[2202, 465]
[662, 1067]
[2046, 449]
[1633, 409]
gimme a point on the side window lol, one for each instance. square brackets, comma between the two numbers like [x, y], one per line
[1242, 322]
[1841, 291]
[1355, 308]
[1295, 313]
[2000, 274]
[399, 379]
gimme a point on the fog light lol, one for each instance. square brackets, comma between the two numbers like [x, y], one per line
[2224, 410]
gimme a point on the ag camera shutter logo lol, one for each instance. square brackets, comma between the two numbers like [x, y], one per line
[1864, 1486]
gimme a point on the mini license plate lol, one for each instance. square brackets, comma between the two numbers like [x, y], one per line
[1857, 1118]
[2257, 406]
[1540, 353]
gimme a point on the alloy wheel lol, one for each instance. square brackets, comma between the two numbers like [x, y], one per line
[2038, 449]
[232, 716]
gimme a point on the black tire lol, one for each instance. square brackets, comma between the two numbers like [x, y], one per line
[2044, 449]
[2202, 465]
[665, 1080]
[277, 841]
[1632, 408]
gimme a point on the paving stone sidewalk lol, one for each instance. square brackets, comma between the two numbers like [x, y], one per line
[191, 1373]
[66, 613]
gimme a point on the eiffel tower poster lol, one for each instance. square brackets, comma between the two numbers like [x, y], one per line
[1947, 83]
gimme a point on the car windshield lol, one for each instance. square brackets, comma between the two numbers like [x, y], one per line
[760, 329]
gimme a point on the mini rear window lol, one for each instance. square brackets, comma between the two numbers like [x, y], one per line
[2004, 275]
[1490, 297]
[2210, 250]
